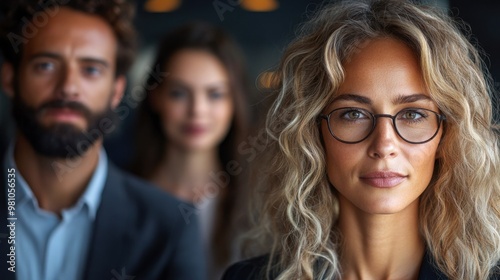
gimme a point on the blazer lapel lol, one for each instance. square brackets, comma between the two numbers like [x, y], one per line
[108, 247]
[428, 270]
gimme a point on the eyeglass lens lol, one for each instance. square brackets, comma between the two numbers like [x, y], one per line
[415, 125]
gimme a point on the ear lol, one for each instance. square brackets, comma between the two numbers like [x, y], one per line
[118, 90]
[8, 79]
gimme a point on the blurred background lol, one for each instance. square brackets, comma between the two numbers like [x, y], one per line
[262, 28]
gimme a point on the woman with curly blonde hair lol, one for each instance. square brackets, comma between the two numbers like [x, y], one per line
[383, 152]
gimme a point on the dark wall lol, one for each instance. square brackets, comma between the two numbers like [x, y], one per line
[263, 36]
[484, 19]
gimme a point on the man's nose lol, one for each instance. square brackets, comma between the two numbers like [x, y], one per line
[69, 82]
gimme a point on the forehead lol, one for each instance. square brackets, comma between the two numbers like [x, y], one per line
[73, 33]
[381, 54]
[383, 69]
[196, 67]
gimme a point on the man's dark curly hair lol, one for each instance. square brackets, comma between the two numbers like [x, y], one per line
[18, 15]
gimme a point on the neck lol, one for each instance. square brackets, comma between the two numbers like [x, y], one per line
[380, 246]
[187, 174]
[57, 183]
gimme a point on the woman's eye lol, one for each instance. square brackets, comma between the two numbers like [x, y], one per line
[177, 94]
[353, 115]
[412, 115]
[215, 95]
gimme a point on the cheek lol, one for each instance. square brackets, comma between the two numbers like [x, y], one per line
[422, 160]
[100, 95]
[341, 161]
[172, 117]
[173, 112]
[341, 158]
[35, 92]
[223, 112]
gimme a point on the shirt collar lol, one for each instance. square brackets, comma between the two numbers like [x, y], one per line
[93, 192]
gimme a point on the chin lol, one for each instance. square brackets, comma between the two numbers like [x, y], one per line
[385, 207]
[197, 146]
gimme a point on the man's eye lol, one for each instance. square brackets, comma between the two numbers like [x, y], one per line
[44, 66]
[92, 71]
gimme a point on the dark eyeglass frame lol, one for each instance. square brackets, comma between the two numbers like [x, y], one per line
[374, 117]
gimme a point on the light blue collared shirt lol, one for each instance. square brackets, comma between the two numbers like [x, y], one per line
[49, 248]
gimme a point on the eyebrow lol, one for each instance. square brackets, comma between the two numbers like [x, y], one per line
[57, 56]
[179, 83]
[400, 99]
[403, 99]
[353, 97]
[215, 86]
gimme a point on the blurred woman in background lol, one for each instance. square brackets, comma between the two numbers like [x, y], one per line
[189, 127]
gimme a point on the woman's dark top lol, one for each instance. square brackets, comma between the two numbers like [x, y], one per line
[252, 270]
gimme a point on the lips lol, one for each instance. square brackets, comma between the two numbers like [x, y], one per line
[63, 113]
[194, 130]
[383, 179]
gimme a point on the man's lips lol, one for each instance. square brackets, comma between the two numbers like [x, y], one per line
[383, 179]
[63, 113]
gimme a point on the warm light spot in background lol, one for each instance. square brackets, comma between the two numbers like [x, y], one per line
[162, 6]
[259, 5]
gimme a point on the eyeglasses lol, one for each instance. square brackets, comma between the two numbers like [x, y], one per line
[352, 125]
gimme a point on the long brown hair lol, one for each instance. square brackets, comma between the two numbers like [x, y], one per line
[151, 139]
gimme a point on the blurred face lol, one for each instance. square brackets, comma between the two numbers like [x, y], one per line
[195, 102]
[65, 85]
[382, 174]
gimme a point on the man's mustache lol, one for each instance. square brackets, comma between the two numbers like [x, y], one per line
[66, 104]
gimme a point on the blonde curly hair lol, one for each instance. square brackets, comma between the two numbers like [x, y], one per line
[460, 209]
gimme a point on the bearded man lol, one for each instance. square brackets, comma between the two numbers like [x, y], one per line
[68, 212]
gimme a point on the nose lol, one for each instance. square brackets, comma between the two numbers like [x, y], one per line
[199, 105]
[384, 140]
[69, 83]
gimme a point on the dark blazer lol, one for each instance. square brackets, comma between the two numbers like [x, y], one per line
[139, 233]
[251, 270]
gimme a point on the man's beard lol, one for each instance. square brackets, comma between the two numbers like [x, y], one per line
[60, 140]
